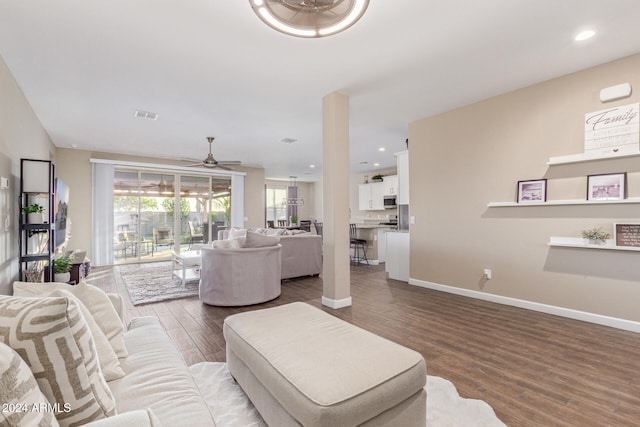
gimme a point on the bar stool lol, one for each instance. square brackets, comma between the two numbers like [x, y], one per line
[356, 244]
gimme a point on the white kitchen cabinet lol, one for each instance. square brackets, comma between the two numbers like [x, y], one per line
[397, 256]
[390, 185]
[402, 162]
[371, 196]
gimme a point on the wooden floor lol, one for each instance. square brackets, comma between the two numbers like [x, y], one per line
[534, 369]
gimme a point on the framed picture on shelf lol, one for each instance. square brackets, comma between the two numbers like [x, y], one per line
[533, 191]
[626, 234]
[607, 186]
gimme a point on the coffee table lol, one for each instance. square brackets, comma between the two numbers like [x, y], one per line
[186, 265]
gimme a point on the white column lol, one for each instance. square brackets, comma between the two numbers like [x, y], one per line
[336, 291]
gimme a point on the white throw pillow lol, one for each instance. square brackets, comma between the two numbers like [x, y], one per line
[20, 395]
[236, 243]
[255, 240]
[295, 232]
[275, 231]
[52, 337]
[234, 233]
[109, 362]
[95, 299]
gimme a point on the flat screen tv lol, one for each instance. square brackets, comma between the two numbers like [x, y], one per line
[62, 202]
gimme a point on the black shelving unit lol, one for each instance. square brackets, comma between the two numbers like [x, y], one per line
[37, 241]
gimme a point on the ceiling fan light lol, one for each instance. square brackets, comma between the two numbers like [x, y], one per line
[272, 21]
[309, 18]
[355, 15]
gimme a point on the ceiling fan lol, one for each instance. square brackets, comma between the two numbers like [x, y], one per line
[162, 186]
[211, 163]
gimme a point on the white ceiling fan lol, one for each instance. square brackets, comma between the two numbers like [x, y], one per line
[211, 163]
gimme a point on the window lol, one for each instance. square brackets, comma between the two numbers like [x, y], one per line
[275, 209]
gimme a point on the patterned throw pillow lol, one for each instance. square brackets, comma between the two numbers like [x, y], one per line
[109, 362]
[94, 298]
[23, 404]
[52, 337]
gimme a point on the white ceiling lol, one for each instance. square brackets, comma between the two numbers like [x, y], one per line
[211, 67]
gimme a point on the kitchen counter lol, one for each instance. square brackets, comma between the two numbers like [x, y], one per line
[372, 226]
[375, 235]
[397, 264]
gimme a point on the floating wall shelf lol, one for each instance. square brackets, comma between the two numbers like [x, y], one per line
[562, 203]
[578, 158]
[577, 242]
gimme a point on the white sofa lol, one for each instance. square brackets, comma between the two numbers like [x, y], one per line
[157, 387]
[301, 253]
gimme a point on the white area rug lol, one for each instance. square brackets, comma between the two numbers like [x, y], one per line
[231, 407]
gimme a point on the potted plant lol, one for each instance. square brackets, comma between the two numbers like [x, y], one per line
[293, 220]
[595, 236]
[377, 178]
[34, 213]
[62, 269]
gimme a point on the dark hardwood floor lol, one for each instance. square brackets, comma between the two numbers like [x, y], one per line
[534, 369]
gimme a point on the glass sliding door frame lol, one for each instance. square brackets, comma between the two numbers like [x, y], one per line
[157, 193]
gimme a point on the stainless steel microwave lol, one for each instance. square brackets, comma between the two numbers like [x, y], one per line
[390, 202]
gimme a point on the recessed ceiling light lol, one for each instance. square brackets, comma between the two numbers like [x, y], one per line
[376, 164]
[381, 149]
[312, 166]
[584, 35]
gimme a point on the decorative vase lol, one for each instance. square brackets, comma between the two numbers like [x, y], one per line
[62, 277]
[35, 218]
[35, 276]
[595, 241]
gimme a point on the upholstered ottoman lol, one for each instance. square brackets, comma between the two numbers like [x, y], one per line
[302, 366]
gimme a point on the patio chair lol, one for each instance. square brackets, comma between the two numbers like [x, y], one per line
[194, 236]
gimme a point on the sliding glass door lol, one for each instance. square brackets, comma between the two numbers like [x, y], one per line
[157, 212]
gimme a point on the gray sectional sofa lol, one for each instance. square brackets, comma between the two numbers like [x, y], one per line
[301, 253]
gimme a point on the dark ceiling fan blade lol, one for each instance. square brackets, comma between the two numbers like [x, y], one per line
[210, 162]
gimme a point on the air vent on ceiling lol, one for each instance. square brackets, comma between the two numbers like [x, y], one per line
[288, 140]
[146, 115]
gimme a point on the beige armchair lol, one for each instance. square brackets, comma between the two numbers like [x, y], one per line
[235, 277]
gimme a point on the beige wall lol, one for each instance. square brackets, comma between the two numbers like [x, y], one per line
[466, 158]
[74, 168]
[21, 136]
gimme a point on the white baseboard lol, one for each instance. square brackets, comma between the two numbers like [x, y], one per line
[333, 303]
[614, 322]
